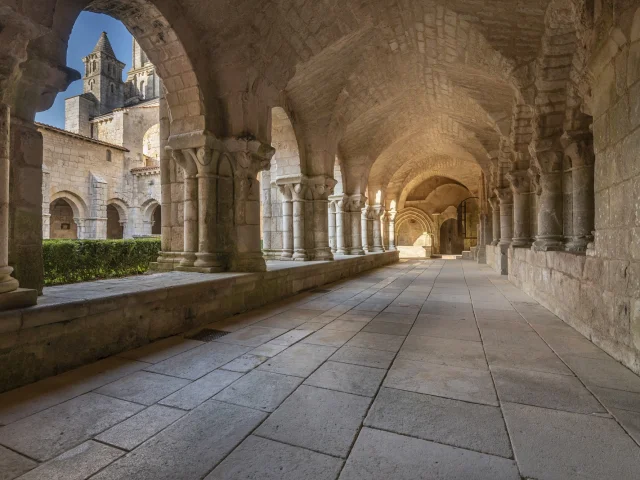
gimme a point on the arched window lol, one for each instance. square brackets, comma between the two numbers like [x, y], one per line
[112, 87]
[95, 66]
[108, 155]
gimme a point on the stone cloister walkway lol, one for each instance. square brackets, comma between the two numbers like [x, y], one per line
[420, 370]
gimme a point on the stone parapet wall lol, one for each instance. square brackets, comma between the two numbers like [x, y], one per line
[56, 335]
[598, 297]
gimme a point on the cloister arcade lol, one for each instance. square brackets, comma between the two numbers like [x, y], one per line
[353, 132]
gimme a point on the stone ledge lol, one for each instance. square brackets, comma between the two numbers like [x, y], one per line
[77, 324]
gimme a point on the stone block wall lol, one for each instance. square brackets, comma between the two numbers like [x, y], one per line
[599, 297]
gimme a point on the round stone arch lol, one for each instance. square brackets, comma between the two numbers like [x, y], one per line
[417, 180]
[79, 211]
[75, 201]
[424, 234]
[148, 213]
[286, 162]
[122, 208]
[147, 20]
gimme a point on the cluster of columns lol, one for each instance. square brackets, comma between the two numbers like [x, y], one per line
[221, 203]
[305, 217]
[547, 184]
[356, 228]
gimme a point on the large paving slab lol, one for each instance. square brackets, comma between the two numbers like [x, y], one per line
[442, 420]
[468, 384]
[381, 455]
[348, 378]
[189, 448]
[300, 360]
[364, 356]
[446, 351]
[12, 464]
[143, 387]
[199, 361]
[553, 445]
[52, 431]
[263, 459]
[201, 390]
[260, 390]
[321, 420]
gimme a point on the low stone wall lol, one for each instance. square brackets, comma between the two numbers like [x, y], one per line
[497, 258]
[598, 297]
[56, 335]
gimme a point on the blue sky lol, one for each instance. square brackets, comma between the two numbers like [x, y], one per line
[84, 37]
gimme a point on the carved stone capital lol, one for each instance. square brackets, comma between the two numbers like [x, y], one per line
[356, 203]
[519, 181]
[579, 149]
[534, 175]
[504, 195]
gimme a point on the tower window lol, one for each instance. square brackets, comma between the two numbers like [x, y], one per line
[108, 155]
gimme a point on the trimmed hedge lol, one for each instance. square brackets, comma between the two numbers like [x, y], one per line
[70, 261]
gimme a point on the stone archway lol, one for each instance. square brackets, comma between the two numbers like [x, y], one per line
[62, 224]
[115, 229]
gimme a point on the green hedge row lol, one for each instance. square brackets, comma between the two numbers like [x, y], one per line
[69, 261]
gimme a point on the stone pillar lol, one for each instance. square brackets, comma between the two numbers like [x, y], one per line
[548, 167]
[377, 212]
[287, 222]
[582, 161]
[435, 243]
[265, 202]
[299, 244]
[332, 225]
[46, 202]
[484, 237]
[356, 204]
[242, 161]
[341, 227]
[392, 230]
[364, 227]
[521, 191]
[190, 201]
[495, 220]
[505, 198]
[10, 295]
[321, 193]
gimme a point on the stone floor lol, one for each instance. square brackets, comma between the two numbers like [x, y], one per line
[421, 370]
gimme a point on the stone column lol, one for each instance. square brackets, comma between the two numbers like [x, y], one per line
[7, 282]
[582, 161]
[505, 198]
[377, 212]
[550, 202]
[521, 191]
[364, 226]
[332, 225]
[495, 220]
[299, 244]
[245, 158]
[392, 230]
[287, 222]
[10, 295]
[435, 243]
[341, 248]
[356, 203]
[190, 202]
[321, 193]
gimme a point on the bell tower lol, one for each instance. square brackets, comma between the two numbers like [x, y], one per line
[103, 76]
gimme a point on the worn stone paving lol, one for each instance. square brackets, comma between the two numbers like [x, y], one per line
[421, 370]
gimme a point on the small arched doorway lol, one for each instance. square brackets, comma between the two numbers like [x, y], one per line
[114, 228]
[62, 224]
[451, 242]
[156, 221]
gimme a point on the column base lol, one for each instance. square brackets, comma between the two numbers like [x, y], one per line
[548, 244]
[578, 245]
[188, 259]
[495, 243]
[377, 250]
[342, 251]
[181, 268]
[521, 243]
[19, 298]
[207, 260]
[323, 254]
[356, 251]
[300, 256]
[286, 255]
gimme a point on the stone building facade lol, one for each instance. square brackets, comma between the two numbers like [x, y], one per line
[101, 174]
